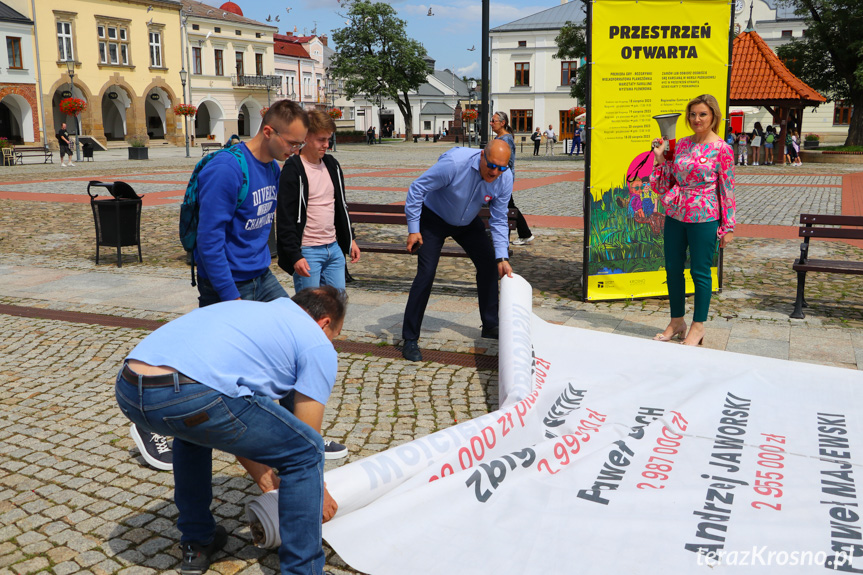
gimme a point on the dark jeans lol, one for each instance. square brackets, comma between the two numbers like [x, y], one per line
[536, 147]
[474, 240]
[265, 287]
[254, 426]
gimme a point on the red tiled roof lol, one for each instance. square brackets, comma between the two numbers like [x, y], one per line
[287, 48]
[758, 75]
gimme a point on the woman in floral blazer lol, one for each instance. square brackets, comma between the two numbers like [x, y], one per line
[697, 191]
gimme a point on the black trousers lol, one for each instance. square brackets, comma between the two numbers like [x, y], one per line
[474, 240]
[536, 147]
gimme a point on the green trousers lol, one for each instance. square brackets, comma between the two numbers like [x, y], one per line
[701, 240]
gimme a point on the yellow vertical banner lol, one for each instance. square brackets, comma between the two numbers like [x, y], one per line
[648, 58]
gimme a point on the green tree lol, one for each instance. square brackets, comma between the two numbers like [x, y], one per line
[572, 45]
[829, 56]
[376, 58]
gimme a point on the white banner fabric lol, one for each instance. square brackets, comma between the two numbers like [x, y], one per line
[612, 454]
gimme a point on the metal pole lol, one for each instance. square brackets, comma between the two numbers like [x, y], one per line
[183, 73]
[77, 123]
[39, 75]
[483, 115]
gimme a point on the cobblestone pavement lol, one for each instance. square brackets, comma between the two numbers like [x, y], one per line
[75, 496]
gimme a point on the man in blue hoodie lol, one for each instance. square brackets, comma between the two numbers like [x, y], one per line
[232, 253]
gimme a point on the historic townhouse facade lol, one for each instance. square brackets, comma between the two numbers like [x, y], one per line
[231, 66]
[125, 59]
[19, 108]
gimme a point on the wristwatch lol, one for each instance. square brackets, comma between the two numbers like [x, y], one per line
[499, 260]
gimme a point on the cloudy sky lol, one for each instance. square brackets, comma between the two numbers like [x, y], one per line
[447, 35]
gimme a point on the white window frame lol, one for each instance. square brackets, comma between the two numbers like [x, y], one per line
[155, 37]
[114, 45]
[65, 46]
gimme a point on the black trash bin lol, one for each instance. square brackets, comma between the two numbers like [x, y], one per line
[436, 137]
[87, 148]
[117, 219]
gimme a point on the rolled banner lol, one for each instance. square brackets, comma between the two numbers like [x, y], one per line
[262, 513]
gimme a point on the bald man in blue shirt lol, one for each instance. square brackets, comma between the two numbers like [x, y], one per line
[445, 202]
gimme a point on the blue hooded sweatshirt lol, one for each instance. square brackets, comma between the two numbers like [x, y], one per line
[232, 241]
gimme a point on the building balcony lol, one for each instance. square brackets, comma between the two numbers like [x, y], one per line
[256, 81]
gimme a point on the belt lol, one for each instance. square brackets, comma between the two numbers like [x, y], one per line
[163, 380]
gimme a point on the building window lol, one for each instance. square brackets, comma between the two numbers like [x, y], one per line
[522, 43]
[13, 49]
[259, 64]
[156, 49]
[196, 61]
[64, 40]
[521, 120]
[291, 84]
[216, 29]
[522, 74]
[787, 34]
[239, 63]
[220, 66]
[567, 72]
[196, 27]
[427, 126]
[352, 113]
[238, 32]
[842, 111]
[113, 44]
[307, 85]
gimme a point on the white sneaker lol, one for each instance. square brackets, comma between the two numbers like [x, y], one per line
[522, 241]
[71, 164]
[62, 165]
[755, 164]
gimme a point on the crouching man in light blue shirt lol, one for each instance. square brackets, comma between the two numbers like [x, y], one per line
[210, 378]
[445, 202]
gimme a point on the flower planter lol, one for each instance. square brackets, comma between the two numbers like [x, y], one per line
[810, 144]
[139, 153]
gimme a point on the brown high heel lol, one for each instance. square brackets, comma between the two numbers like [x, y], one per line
[700, 342]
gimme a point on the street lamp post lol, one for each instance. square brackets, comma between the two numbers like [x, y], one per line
[471, 93]
[183, 74]
[70, 68]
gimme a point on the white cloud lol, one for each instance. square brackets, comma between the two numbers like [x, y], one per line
[470, 70]
[463, 18]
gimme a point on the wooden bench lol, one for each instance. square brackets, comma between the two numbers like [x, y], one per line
[805, 264]
[207, 147]
[394, 214]
[22, 152]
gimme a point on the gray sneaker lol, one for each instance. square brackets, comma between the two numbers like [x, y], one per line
[154, 449]
[523, 241]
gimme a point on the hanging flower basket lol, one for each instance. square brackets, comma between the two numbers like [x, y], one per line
[72, 106]
[264, 111]
[577, 110]
[335, 113]
[185, 110]
[469, 115]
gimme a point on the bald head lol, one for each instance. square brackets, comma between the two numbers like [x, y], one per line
[497, 152]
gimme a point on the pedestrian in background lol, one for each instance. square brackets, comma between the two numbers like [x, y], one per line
[537, 139]
[550, 141]
[503, 131]
[756, 137]
[65, 145]
[769, 142]
[697, 191]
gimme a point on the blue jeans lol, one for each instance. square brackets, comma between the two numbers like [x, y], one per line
[265, 287]
[327, 265]
[202, 419]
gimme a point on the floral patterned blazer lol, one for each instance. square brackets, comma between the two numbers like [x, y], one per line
[699, 185]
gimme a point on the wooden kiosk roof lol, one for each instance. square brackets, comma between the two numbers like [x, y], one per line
[759, 78]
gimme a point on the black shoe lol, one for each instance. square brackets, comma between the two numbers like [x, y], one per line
[411, 351]
[154, 448]
[490, 332]
[348, 277]
[333, 450]
[197, 557]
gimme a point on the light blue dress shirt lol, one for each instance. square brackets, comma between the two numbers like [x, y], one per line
[453, 189]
